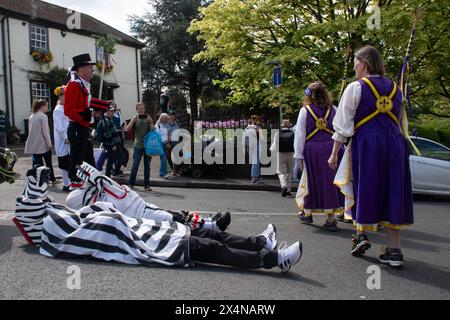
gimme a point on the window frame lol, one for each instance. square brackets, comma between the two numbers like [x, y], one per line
[31, 40]
[32, 97]
[432, 145]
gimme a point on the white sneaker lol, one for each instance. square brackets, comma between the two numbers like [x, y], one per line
[287, 257]
[271, 236]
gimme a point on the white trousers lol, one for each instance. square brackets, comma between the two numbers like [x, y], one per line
[285, 168]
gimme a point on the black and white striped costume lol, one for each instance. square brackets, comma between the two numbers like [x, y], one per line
[98, 187]
[102, 232]
[97, 231]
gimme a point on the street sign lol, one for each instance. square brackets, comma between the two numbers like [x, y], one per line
[277, 77]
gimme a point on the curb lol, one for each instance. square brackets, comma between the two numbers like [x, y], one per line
[205, 185]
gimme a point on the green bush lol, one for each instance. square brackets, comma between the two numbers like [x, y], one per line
[439, 135]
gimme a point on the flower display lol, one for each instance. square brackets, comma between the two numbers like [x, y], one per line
[59, 91]
[42, 56]
[108, 69]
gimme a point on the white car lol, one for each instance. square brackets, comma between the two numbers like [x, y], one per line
[431, 170]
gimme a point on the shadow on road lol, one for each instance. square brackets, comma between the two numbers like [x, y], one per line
[417, 271]
[200, 267]
[7, 234]
[409, 238]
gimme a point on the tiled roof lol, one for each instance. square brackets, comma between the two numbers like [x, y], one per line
[55, 16]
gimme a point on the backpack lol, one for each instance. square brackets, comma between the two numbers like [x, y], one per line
[286, 139]
[153, 144]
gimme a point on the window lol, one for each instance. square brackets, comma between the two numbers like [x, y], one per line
[99, 53]
[38, 38]
[40, 91]
[432, 150]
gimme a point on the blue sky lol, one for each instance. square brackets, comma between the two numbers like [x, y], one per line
[113, 12]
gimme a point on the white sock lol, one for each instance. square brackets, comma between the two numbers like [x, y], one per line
[210, 225]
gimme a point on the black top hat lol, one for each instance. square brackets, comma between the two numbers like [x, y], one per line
[81, 61]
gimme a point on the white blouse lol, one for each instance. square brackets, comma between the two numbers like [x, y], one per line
[344, 120]
[300, 134]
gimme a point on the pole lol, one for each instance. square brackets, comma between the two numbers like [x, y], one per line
[105, 56]
[281, 105]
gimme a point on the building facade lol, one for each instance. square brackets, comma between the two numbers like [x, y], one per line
[33, 30]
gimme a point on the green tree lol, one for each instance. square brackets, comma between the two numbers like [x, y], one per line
[167, 59]
[311, 38]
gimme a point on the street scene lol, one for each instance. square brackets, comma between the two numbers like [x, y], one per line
[224, 150]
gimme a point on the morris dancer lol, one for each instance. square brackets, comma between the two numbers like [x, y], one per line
[313, 143]
[102, 232]
[374, 173]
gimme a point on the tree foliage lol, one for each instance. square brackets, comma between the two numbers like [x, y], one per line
[167, 59]
[310, 39]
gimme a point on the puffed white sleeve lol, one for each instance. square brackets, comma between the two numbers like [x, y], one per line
[300, 134]
[344, 121]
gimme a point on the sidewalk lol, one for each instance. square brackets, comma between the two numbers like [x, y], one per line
[271, 183]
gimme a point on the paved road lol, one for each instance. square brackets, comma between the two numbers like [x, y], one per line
[327, 270]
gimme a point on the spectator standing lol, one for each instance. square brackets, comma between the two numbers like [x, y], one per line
[141, 124]
[254, 141]
[110, 137]
[39, 143]
[173, 140]
[284, 144]
[162, 128]
[120, 124]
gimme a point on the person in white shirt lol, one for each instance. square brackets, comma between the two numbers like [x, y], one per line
[62, 145]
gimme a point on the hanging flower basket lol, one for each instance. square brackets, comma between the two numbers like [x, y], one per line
[108, 69]
[42, 56]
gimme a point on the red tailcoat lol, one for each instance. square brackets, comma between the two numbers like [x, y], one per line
[77, 102]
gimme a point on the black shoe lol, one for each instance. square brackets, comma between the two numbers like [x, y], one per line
[118, 172]
[360, 245]
[331, 226]
[305, 219]
[289, 195]
[222, 219]
[341, 217]
[393, 257]
[284, 192]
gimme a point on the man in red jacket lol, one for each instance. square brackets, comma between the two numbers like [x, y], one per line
[76, 108]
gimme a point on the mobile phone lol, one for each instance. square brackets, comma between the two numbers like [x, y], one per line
[144, 116]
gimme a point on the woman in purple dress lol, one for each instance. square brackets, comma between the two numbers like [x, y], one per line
[374, 174]
[317, 193]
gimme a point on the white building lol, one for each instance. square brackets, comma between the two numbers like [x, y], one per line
[33, 25]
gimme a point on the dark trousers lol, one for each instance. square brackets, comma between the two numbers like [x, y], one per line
[38, 159]
[168, 149]
[119, 157]
[111, 156]
[81, 148]
[138, 154]
[213, 246]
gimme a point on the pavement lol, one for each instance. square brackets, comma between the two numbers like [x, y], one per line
[271, 183]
